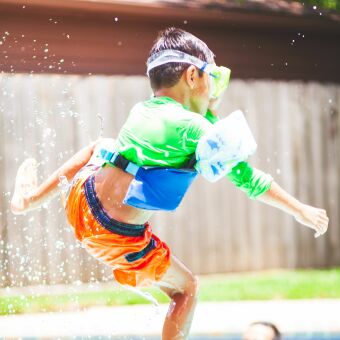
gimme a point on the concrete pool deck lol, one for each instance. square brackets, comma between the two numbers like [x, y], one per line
[290, 316]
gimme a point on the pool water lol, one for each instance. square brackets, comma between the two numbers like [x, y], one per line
[297, 336]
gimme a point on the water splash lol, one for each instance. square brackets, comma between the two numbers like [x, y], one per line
[101, 122]
[145, 295]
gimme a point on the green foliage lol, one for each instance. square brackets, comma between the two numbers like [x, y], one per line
[326, 4]
[320, 4]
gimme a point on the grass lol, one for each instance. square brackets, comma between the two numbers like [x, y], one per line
[300, 284]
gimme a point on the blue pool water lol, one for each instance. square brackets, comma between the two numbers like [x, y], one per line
[297, 336]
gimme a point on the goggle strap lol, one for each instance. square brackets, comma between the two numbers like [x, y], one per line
[204, 66]
[173, 56]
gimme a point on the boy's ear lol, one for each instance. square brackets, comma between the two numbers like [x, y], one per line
[190, 76]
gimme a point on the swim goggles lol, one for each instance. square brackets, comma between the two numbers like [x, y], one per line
[219, 75]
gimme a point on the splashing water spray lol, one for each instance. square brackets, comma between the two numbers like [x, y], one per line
[64, 185]
[101, 122]
[145, 295]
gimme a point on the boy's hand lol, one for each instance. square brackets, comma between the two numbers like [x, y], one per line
[314, 218]
[214, 104]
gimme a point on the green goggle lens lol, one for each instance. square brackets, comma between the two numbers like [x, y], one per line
[219, 80]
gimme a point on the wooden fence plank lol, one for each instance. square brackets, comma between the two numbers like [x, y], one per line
[217, 229]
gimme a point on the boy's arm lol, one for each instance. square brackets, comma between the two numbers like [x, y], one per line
[23, 202]
[260, 186]
[307, 215]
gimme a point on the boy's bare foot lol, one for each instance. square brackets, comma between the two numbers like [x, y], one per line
[25, 182]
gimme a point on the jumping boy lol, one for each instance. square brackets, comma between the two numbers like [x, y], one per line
[116, 188]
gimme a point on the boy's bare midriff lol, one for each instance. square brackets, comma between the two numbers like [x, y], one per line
[111, 187]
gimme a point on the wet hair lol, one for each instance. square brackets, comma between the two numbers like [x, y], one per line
[169, 74]
[270, 325]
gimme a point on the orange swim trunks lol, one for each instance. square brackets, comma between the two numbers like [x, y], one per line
[135, 254]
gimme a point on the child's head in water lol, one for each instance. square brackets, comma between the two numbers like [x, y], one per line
[262, 330]
[184, 81]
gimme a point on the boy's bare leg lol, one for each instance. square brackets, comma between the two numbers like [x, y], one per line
[182, 287]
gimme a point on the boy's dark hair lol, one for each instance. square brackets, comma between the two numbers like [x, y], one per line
[168, 75]
[270, 325]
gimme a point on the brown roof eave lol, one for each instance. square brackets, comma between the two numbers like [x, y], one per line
[158, 11]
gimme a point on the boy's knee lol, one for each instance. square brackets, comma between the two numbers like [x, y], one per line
[193, 285]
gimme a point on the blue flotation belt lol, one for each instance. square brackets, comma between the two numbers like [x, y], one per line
[153, 188]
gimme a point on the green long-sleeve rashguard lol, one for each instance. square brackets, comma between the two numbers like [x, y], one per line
[162, 132]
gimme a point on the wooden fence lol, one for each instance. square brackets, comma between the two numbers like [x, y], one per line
[216, 229]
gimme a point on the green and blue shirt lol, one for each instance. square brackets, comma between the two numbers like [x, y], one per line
[162, 132]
